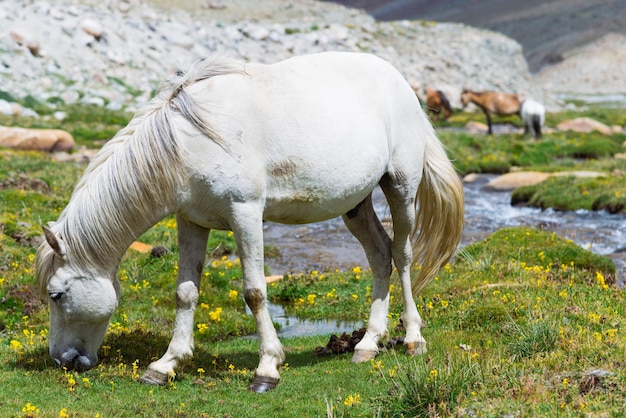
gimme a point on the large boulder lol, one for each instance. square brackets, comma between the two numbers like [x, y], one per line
[36, 139]
[513, 180]
[584, 125]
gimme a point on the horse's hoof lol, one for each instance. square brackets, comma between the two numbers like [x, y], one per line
[152, 377]
[361, 356]
[415, 349]
[262, 384]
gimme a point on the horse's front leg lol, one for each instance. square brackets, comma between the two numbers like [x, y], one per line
[192, 240]
[248, 229]
[489, 126]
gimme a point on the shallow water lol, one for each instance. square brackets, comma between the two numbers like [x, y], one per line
[291, 326]
[617, 100]
[328, 245]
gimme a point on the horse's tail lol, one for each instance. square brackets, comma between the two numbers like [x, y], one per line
[537, 125]
[440, 212]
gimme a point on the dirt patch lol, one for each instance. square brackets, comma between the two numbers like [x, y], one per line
[22, 238]
[21, 181]
[27, 297]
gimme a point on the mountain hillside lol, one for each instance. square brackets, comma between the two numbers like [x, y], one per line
[546, 29]
[114, 52]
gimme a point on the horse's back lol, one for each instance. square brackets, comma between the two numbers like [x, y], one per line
[533, 107]
[315, 132]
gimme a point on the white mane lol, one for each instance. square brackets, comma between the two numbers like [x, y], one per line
[136, 172]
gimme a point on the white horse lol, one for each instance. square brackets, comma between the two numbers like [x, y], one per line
[229, 144]
[533, 116]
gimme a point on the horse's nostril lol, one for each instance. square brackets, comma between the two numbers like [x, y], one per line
[82, 364]
[68, 359]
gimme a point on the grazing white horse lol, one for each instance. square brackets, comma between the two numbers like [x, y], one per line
[533, 116]
[228, 145]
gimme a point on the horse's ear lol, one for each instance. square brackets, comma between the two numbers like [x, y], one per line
[56, 243]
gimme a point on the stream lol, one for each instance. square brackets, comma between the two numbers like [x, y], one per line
[328, 245]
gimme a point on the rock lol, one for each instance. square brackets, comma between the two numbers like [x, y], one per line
[36, 139]
[93, 28]
[273, 278]
[594, 379]
[512, 181]
[82, 155]
[159, 251]
[580, 173]
[180, 40]
[140, 247]
[474, 127]
[475, 178]
[6, 108]
[24, 39]
[584, 125]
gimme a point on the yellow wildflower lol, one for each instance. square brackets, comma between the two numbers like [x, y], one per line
[352, 400]
[215, 315]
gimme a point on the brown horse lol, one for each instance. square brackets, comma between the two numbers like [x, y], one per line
[436, 101]
[492, 103]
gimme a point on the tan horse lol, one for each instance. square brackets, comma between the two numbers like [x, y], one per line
[492, 103]
[436, 101]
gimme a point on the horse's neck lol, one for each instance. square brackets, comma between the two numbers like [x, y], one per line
[478, 100]
[109, 210]
[99, 239]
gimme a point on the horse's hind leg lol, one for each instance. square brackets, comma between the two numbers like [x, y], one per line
[401, 199]
[365, 226]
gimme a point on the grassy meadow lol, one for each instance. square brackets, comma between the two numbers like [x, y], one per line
[521, 324]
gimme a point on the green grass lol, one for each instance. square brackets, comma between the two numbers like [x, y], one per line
[571, 193]
[508, 331]
[513, 324]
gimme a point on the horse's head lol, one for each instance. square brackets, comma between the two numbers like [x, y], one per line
[81, 305]
[465, 97]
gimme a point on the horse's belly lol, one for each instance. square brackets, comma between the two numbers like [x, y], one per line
[329, 189]
[303, 208]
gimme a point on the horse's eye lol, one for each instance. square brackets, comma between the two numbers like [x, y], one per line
[56, 295]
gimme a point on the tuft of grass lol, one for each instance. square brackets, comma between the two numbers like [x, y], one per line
[425, 388]
[531, 247]
[536, 337]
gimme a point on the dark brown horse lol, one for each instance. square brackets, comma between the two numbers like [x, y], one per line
[492, 103]
[436, 101]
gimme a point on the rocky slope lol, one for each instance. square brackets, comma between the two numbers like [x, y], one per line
[114, 53]
[546, 29]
